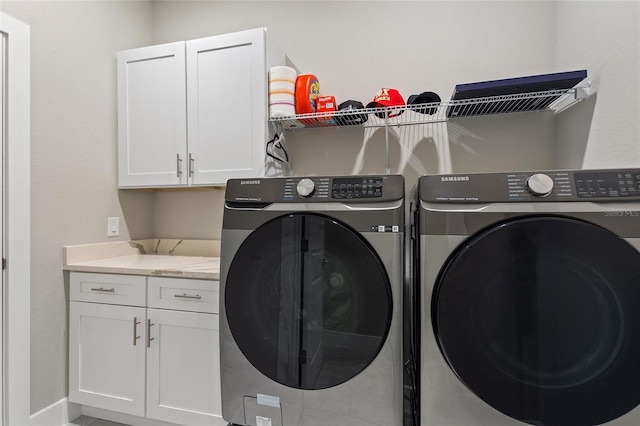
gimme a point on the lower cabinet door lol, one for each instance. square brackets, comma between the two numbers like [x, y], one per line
[107, 356]
[183, 368]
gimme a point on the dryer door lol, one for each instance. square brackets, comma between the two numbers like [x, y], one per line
[540, 318]
[308, 301]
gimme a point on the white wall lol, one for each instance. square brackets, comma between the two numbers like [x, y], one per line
[357, 47]
[73, 167]
[354, 48]
[605, 36]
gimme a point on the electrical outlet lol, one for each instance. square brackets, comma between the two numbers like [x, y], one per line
[113, 226]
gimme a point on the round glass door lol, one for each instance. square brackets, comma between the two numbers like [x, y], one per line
[308, 301]
[540, 318]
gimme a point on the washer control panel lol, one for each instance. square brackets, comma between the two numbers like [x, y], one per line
[315, 189]
[550, 185]
[338, 188]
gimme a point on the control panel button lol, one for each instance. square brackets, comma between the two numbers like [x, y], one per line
[539, 184]
[350, 188]
[305, 187]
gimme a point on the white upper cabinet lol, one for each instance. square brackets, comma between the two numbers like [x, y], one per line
[194, 112]
[227, 100]
[152, 116]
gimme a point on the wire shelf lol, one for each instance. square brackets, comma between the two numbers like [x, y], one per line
[554, 100]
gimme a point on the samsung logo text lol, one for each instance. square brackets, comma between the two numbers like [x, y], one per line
[454, 178]
[250, 182]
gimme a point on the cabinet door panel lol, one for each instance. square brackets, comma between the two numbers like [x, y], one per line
[106, 369]
[227, 104]
[152, 129]
[183, 379]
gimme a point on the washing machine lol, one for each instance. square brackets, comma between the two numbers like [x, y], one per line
[311, 281]
[530, 298]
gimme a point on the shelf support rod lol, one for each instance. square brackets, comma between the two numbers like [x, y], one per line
[386, 139]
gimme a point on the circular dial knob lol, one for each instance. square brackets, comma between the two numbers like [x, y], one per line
[540, 184]
[305, 187]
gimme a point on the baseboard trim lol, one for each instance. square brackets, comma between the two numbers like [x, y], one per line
[127, 419]
[61, 413]
[57, 414]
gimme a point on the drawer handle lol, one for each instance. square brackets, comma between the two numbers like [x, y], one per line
[186, 296]
[110, 290]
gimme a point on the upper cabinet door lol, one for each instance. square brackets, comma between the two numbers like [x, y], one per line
[152, 122]
[227, 106]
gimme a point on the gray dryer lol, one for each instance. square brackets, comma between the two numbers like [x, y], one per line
[530, 298]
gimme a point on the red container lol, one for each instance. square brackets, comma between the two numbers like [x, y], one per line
[307, 92]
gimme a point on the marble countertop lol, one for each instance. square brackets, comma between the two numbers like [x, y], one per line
[156, 257]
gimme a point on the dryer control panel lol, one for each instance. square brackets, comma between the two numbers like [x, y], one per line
[549, 185]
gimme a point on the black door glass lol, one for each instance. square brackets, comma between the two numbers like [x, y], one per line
[540, 318]
[308, 301]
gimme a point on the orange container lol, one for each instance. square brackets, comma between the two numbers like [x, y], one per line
[307, 92]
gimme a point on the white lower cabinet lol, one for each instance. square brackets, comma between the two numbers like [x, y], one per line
[106, 365]
[149, 361]
[183, 374]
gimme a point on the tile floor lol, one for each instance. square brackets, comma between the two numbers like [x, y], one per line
[92, 421]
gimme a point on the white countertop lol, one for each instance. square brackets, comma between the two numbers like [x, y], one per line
[150, 257]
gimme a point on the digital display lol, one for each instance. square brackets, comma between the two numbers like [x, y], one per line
[608, 184]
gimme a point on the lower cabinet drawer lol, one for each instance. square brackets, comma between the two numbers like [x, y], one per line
[108, 288]
[183, 294]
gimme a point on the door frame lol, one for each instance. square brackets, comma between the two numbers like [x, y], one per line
[17, 236]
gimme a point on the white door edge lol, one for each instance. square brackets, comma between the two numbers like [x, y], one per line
[17, 238]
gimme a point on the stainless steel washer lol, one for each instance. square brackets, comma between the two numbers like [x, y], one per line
[310, 304]
[530, 297]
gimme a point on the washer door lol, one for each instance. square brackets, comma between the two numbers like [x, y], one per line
[540, 318]
[308, 301]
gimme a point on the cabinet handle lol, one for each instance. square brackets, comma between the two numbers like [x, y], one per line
[149, 338]
[135, 330]
[186, 296]
[110, 290]
[179, 165]
[191, 165]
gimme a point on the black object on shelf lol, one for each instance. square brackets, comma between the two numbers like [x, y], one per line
[556, 84]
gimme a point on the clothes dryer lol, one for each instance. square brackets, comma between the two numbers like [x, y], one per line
[530, 298]
[310, 304]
